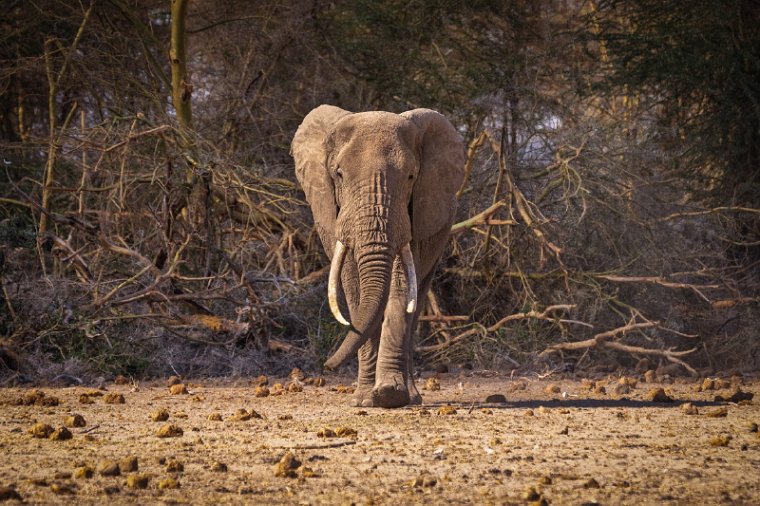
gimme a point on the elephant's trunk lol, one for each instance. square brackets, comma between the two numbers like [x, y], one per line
[374, 281]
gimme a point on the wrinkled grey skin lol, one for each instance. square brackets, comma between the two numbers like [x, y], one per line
[376, 181]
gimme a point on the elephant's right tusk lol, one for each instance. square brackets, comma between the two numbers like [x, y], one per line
[411, 278]
[334, 281]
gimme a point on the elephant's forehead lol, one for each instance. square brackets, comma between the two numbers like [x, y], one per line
[375, 131]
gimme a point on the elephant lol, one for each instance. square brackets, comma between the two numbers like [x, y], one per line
[382, 189]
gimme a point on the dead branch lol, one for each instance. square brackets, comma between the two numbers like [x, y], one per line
[715, 210]
[602, 340]
[546, 314]
[658, 281]
[481, 218]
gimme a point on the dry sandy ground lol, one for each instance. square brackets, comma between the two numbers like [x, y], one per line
[556, 441]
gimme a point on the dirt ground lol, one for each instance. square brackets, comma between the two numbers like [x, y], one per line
[553, 440]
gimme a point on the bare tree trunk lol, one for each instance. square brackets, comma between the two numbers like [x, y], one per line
[54, 81]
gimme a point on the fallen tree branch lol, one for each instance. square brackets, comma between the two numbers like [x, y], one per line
[659, 281]
[546, 314]
[602, 340]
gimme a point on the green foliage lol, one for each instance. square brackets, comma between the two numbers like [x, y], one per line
[703, 59]
[441, 53]
[17, 231]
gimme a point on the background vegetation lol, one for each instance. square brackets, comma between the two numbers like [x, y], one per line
[150, 222]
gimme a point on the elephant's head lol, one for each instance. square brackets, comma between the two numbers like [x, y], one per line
[375, 182]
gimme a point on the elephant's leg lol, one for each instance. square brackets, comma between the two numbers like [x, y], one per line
[367, 354]
[414, 394]
[366, 378]
[391, 379]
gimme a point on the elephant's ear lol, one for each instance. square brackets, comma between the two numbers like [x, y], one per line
[441, 171]
[310, 154]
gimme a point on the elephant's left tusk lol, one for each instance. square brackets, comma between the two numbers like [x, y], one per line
[334, 280]
[411, 278]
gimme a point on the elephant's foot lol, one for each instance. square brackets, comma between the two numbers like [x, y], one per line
[362, 397]
[391, 393]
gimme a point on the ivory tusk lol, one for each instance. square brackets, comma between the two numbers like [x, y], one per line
[334, 281]
[411, 278]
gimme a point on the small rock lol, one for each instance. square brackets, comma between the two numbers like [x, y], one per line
[721, 440]
[424, 481]
[588, 384]
[138, 481]
[658, 395]
[752, 427]
[60, 434]
[295, 386]
[345, 432]
[175, 466]
[62, 489]
[114, 398]
[261, 391]
[120, 380]
[718, 412]
[516, 386]
[85, 399]
[84, 472]
[168, 483]
[551, 388]
[325, 432]
[128, 465]
[242, 415]
[109, 468]
[74, 421]
[447, 410]
[169, 430]
[650, 376]
[161, 415]
[41, 430]
[433, 384]
[689, 409]
[178, 389]
[215, 417]
[530, 494]
[287, 466]
[219, 467]
[342, 389]
[496, 399]
[621, 389]
[545, 480]
[319, 382]
[737, 396]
